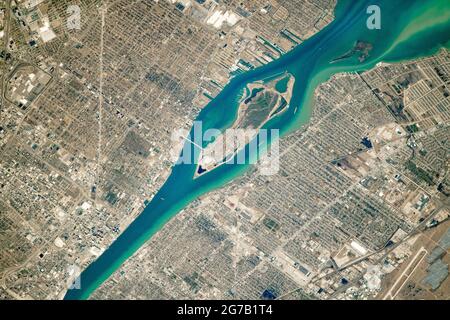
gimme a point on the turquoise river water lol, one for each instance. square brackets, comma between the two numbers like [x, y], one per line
[409, 29]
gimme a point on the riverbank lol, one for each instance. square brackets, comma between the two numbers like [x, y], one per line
[311, 64]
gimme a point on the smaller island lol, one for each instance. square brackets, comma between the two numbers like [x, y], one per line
[361, 49]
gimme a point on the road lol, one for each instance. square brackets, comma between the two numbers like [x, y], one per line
[7, 28]
[416, 230]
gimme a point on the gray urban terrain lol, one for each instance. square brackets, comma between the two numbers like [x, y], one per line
[92, 91]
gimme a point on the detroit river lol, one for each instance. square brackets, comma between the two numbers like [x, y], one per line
[409, 29]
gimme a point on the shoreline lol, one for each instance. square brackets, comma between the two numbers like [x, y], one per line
[157, 213]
